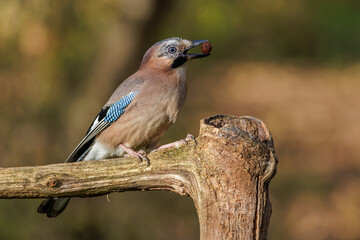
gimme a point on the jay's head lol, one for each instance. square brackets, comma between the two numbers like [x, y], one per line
[171, 53]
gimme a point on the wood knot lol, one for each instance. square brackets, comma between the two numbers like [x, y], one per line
[53, 183]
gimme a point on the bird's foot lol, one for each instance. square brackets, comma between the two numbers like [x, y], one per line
[177, 144]
[141, 155]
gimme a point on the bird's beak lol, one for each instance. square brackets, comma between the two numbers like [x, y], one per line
[195, 43]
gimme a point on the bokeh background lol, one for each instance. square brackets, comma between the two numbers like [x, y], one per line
[293, 64]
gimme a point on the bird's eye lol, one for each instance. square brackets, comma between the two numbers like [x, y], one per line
[172, 50]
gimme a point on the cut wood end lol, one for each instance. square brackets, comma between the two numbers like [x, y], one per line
[233, 125]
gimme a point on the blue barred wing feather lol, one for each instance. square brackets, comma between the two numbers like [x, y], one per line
[118, 108]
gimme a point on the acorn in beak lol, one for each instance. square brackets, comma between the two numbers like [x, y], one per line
[205, 49]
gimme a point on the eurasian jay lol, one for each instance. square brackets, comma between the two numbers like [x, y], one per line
[139, 112]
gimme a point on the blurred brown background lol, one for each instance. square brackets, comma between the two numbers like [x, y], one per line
[293, 64]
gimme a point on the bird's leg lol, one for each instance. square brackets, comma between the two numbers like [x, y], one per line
[177, 144]
[141, 155]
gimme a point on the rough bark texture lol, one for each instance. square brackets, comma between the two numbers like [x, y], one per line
[226, 172]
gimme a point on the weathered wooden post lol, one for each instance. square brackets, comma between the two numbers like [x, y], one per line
[226, 172]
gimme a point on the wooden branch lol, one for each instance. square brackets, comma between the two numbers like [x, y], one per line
[226, 173]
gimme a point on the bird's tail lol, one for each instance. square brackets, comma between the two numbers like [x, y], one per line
[53, 206]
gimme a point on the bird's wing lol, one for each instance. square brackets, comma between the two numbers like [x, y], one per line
[105, 118]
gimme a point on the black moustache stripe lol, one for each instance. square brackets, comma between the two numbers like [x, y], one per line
[178, 61]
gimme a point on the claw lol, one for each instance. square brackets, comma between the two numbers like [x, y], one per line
[141, 155]
[190, 137]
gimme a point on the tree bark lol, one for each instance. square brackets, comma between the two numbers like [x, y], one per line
[226, 172]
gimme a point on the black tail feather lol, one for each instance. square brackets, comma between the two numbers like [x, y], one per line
[53, 206]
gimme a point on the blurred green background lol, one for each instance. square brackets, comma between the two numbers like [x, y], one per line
[293, 64]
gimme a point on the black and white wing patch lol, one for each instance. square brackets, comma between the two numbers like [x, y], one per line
[105, 118]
